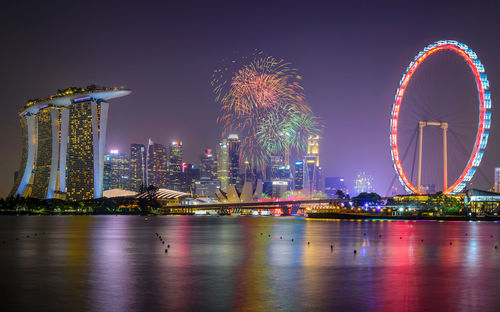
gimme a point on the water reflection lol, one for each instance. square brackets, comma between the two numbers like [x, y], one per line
[117, 263]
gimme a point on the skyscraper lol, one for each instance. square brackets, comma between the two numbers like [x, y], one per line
[280, 176]
[312, 170]
[208, 165]
[63, 144]
[234, 159]
[157, 164]
[298, 176]
[189, 175]
[175, 166]
[116, 171]
[137, 167]
[223, 164]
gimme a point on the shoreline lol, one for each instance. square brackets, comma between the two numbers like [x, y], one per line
[366, 216]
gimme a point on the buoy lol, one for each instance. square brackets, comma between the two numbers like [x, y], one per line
[355, 251]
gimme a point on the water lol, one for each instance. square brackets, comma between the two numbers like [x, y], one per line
[116, 263]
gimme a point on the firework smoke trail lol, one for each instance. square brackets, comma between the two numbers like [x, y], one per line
[264, 102]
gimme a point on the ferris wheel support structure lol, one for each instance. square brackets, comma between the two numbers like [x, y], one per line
[444, 126]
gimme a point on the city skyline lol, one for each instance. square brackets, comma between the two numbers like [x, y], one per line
[164, 106]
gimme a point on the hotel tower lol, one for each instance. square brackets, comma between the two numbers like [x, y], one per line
[63, 139]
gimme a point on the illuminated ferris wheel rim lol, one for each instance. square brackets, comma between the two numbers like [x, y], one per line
[484, 123]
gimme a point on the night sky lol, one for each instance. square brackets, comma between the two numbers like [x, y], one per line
[351, 56]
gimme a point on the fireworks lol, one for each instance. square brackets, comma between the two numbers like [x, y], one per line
[264, 102]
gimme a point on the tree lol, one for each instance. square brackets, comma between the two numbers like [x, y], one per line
[340, 194]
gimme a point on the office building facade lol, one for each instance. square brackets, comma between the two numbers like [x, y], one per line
[63, 144]
[116, 171]
[137, 167]
[157, 165]
[175, 166]
[223, 164]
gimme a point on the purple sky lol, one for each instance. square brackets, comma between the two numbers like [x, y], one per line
[351, 56]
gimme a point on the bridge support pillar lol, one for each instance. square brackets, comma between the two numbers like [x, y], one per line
[286, 210]
[295, 209]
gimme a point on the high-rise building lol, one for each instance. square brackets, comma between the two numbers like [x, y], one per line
[334, 184]
[313, 148]
[116, 171]
[175, 166]
[137, 167]
[157, 164]
[189, 175]
[234, 159]
[63, 144]
[280, 176]
[298, 176]
[312, 170]
[363, 183]
[223, 164]
[497, 179]
[208, 165]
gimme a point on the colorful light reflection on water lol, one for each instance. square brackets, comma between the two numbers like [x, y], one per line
[116, 263]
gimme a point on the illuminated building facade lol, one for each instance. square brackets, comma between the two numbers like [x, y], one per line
[116, 171]
[175, 166]
[234, 159]
[497, 179]
[312, 170]
[298, 176]
[206, 188]
[157, 173]
[280, 176]
[137, 167]
[208, 165]
[223, 164]
[363, 183]
[188, 176]
[63, 144]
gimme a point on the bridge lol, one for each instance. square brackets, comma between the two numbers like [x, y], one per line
[288, 207]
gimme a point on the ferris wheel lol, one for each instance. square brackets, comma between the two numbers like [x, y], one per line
[484, 122]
